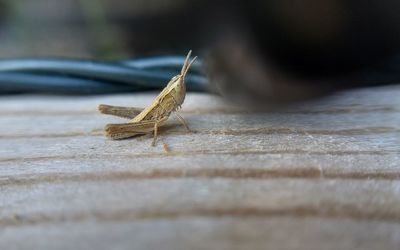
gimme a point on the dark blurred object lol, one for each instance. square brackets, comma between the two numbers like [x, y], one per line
[280, 50]
[288, 50]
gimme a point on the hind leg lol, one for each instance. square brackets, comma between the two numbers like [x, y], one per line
[126, 130]
[124, 112]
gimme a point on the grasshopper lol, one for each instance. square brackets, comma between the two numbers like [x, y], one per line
[149, 119]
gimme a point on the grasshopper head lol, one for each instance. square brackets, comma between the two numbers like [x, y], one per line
[179, 80]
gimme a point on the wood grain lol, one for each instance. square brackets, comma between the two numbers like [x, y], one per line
[321, 175]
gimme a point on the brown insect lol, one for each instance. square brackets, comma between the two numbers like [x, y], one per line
[147, 120]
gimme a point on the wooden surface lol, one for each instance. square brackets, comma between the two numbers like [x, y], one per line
[321, 176]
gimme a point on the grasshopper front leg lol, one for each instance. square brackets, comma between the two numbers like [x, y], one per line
[124, 112]
[184, 123]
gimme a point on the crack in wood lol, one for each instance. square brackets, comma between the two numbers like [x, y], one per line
[233, 173]
[338, 210]
[197, 153]
[243, 131]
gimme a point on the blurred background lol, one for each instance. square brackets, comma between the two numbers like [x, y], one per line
[256, 50]
[86, 28]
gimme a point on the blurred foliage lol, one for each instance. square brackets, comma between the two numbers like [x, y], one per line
[75, 28]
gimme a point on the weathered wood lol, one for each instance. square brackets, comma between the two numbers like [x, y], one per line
[322, 175]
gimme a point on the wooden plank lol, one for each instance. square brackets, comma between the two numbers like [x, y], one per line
[199, 233]
[360, 166]
[118, 198]
[368, 154]
[326, 173]
[329, 124]
[361, 100]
